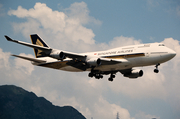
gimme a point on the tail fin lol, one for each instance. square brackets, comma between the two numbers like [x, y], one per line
[35, 39]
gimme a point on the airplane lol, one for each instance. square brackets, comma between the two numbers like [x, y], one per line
[122, 59]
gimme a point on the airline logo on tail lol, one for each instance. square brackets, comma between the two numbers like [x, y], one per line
[38, 41]
[39, 52]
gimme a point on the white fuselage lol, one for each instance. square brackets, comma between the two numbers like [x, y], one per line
[100, 63]
[134, 56]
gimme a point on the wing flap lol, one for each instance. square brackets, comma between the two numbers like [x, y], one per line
[78, 64]
[30, 59]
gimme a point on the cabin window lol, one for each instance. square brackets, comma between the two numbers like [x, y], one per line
[145, 45]
[161, 45]
[128, 48]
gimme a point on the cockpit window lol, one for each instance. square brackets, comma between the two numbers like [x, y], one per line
[161, 45]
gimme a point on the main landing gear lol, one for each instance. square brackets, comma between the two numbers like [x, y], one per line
[111, 77]
[99, 76]
[156, 70]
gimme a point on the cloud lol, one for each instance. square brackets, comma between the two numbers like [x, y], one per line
[152, 3]
[66, 30]
[172, 74]
[79, 12]
[142, 87]
[16, 69]
[142, 115]
[117, 42]
[4, 57]
[24, 65]
[178, 10]
[123, 41]
[174, 44]
[2, 11]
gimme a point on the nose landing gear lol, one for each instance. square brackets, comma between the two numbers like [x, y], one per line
[156, 70]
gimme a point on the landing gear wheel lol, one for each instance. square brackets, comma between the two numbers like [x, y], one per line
[110, 79]
[156, 70]
[91, 75]
[113, 76]
[98, 76]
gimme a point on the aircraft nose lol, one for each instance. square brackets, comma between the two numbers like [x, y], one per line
[172, 53]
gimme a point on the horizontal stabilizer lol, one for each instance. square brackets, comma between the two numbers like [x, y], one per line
[30, 59]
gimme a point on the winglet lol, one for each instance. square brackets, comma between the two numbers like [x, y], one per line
[9, 39]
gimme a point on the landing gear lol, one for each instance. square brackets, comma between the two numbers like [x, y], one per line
[111, 77]
[156, 70]
[97, 76]
[91, 74]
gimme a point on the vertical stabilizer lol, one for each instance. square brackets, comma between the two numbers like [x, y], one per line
[35, 39]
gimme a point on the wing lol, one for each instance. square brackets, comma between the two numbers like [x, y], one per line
[83, 62]
[79, 64]
[76, 56]
[29, 44]
[80, 61]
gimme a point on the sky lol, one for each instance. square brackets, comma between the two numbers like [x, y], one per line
[84, 26]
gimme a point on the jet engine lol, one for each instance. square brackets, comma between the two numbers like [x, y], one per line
[61, 55]
[58, 55]
[135, 73]
[94, 61]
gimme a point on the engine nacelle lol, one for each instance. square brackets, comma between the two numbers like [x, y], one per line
[135, 73]
[94, 61]
[61, 55]
[58, 55]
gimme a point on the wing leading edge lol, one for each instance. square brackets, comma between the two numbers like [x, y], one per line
[28, 44]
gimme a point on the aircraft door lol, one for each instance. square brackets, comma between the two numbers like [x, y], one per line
[147, 54]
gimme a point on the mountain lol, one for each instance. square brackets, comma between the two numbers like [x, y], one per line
[17, 103]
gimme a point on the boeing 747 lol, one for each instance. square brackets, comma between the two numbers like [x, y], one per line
[109, 62]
